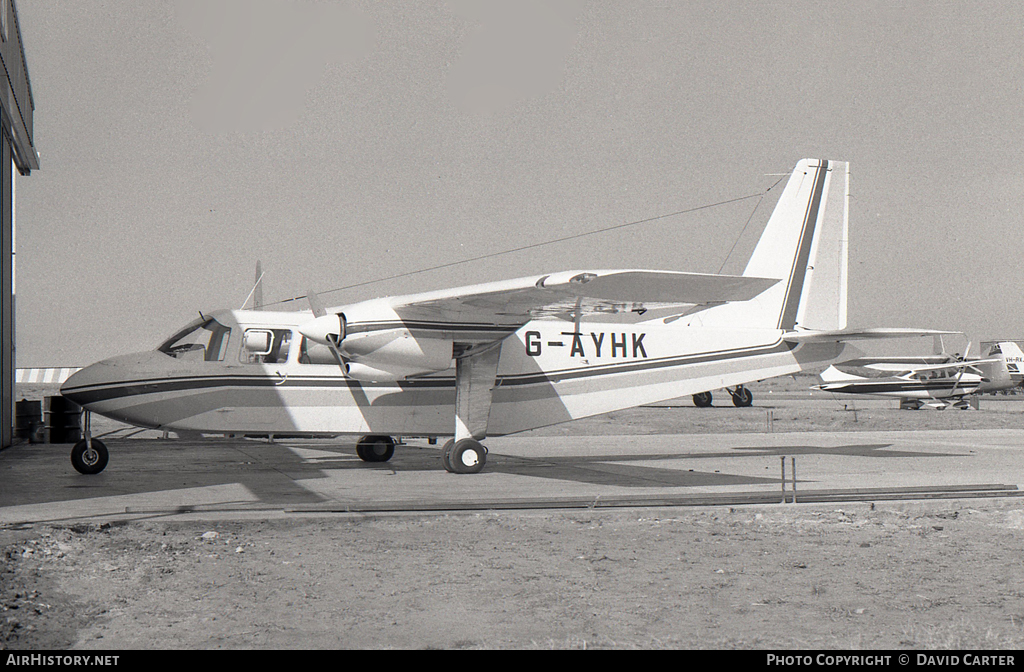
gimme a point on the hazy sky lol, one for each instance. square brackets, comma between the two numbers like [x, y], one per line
[341, 142]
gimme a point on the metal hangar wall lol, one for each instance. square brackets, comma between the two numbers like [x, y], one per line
[17, 151]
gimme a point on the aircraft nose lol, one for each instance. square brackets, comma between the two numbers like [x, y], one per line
[78, 387]
[95, 382]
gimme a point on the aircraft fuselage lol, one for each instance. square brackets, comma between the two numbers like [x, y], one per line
[256, 374]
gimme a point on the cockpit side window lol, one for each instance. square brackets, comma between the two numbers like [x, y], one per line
[265, 346]
[996, 350]
[203, 340]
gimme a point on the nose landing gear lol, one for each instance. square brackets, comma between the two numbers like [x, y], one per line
[89, 456]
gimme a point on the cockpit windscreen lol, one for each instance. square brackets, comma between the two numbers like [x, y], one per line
[206, 339]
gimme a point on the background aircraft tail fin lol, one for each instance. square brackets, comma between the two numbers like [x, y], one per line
[257, 298]
[1011, 351]
[1013, 357]
[805, 246]
[256, 293]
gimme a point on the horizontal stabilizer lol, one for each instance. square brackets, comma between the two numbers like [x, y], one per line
[831, 336]
[834, 375]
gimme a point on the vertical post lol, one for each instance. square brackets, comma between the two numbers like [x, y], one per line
[782, 459]
[794, 478]
[7, 280]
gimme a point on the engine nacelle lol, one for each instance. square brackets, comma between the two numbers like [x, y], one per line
[371, 374]
[391, 348]
[377, 344]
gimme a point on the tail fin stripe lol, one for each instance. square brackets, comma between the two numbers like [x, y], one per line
[787, 319]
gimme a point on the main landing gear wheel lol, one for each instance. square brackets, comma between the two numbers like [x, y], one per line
[89, 459]
[742, 397]
[446, 453]
[467, 456]
[375, 448]
[702, 400]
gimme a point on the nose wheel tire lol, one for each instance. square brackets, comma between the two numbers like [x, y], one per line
[702, 400]
[89, 459]
[375, 448]
[466, 456]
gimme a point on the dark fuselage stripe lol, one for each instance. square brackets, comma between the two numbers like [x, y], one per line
[104, 392]
[877, 388]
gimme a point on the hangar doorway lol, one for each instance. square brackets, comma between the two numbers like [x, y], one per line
[17, 155]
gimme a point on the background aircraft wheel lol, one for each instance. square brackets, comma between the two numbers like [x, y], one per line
[446, 455]
[742, 397]
[702, 400]
[89, 460]
[468, 457]
[375, 448]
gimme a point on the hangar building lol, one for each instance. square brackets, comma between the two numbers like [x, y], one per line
[17, 152]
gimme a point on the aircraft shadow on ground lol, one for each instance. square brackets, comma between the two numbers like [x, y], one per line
[274, 473]
[608, 470]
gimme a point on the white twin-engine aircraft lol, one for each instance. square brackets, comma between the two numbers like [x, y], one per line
[938, 382]
[501, 357]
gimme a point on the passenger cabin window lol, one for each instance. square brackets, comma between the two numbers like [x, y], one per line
[203, 340]
[315, 353]
[265, 346]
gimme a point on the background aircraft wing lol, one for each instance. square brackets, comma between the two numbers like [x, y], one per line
[574, 294]
[825, 336]
[950, 366]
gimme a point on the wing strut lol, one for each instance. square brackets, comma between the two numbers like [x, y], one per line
[475, 377]
[474, 381]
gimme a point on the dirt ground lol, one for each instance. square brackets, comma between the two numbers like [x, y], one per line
[915, 576]
[910, 575]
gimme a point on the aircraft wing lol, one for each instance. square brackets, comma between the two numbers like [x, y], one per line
[576, 293]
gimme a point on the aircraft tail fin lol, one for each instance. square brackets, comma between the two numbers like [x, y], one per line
[805, 246]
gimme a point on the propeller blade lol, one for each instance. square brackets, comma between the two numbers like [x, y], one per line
[322, 329]
[960, 374]
[315, 304]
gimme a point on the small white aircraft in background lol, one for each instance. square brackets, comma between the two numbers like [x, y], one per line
[501, 357]
[937, 382]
